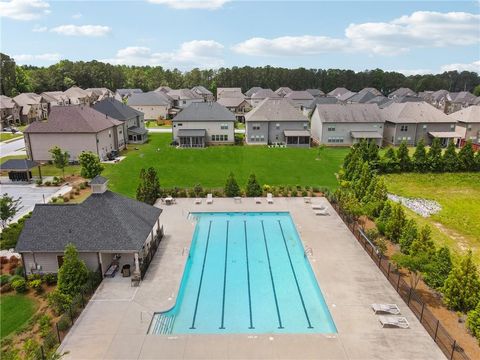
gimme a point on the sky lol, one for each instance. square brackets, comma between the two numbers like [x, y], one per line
[407, 36]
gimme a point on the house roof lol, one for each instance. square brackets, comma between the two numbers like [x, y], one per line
[123, 92]
[315, 92]
[445, 134]
[116, 109]
[222, 90]
[51, 96]
[191, 132]
[439, 95]
[73, 119]
[299, 95]
[265, 93]
[414, 112]
[24, 99]
[346, 96]
[322, 100]
[283, 90]
[402, 92]
[137, 130]
[155, 98]
[164, 89]
[76, 92]
[184, 94]
[362, 97]
[252, 91]
[470, 114]
[296, 133]
[463, 97]
[231, 101]
[18, 164]
[338, 91]
[379, 100]
[103, 222]
[205, 111]
[278, 109]
[98, 180]
[349, 113]
[201, 90]
[6, 102]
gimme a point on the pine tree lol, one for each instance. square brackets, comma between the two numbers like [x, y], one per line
[253, 187]
[384, 216]
[389, 162]
[477, 161]
[148, 190]
[466, 157]
[409, 235]
[450, 158]
[420, 157]
[375, 197]
[403, 157]
[462, 287]
[423, 244]
[434, 157]
[231, 186]
[373, 156]
[73, 274]
[361, 184]
[394, 226]
[439, 268]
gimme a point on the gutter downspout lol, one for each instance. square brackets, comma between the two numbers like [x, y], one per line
[415, 138]
[96, 144]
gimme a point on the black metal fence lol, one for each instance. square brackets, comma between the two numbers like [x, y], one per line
[439, 334]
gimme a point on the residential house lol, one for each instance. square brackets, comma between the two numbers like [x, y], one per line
[345, 97]
[364, 95]
[460, 100]
[78, 96]
[164, 89]
[153, 104]
[236, 105]
[277, 121]
[107, 229]
[203, 92]
[261, 95]
[347, 124]
[229, 92]
[316, 92]
[308, 110]
[204, 123]
[182, 98]
[381, 101]
[123, 94]
[401, 92]
[134, 125]
[339, 91]
[412, 121]
[300, 99]
[98, 94]
[55, 98]
[283, 91]
[74, 128]
[9, 111]
[468, 124]
[252, 91]
[33, 107]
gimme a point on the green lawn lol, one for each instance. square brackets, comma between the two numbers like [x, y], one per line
[211, 166]
[15, 310]
[457, 224]
[9, 136]
[153, 125]
[47, 170]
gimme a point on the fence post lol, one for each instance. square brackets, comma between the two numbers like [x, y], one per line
[380, 261]
[436, 331]
[453, 348]
[409, 296]
[42, 352]
[58, 333]
[70, 313]
[388, 273]
[398, 282]
[421, 314]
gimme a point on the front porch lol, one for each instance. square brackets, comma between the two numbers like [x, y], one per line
[297, 138]
[192, 138]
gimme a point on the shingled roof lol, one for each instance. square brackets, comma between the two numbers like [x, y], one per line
[116, 109]
[414, 112]
[103, 222]
[349, 113]
[152, 98]
[470, 114]
[73, 119]
[279, 109]
[205, 111]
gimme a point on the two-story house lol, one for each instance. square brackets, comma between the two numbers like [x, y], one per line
[261, 95]
[412, 121]
[346, 124]
[78, 96]
[299, 99]
[33, 107]
[55, 98]
[206, 94]
[236, 105]
[468, 124]
[9, 111]
[153, 104]
[204, 123]
[277, 121]
[182, 98]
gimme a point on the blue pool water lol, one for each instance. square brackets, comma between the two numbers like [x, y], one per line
[246, 273]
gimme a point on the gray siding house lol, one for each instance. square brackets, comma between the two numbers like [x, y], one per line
[277, 121]
[346, 124]
[412, 121]
[468, 123]
[107, 229]
[9, 112]
[205, 123]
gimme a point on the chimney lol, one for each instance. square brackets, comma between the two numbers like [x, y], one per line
[99, 184]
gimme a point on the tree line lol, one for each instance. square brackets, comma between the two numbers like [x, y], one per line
[62, 75]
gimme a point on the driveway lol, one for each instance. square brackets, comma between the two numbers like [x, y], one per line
[31, 195]
[16, 147]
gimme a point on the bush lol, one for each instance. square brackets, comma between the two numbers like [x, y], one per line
[217, 193]
[14, 278]
[473, 322]
[191, 193]
[54, 199]
[66, 199]
[19, 271]
[20, 286]
[372, 234]
[39, 182]
[182, 193]
[59, 302]
[4, 279]
[50, 279]
[73, 274]
[315, 189]
[294, 193]
[253, 187]
[63, 324]
[45, 324]
[36, 285]
[48, 183]
[10, 234]
[82, 186]
[32, 277]
[304, 193]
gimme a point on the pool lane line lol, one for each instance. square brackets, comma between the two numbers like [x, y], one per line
[248, 276]
[295, 276]
[222, 325]
[201, 277]
[280, 326]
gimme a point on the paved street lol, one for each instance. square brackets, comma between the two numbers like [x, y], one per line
[11, 148]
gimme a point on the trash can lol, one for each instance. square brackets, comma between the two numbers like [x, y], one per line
[126, 270]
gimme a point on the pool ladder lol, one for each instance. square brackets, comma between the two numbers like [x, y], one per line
[164, 324]
[308, 252]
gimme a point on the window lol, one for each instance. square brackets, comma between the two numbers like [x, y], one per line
[277, 125]
[424, 127]
[256, 127]
[224, 126]
[452, 127]
[180, 124]
[404, 128]
[335, 139]
[184, 101]
[469, 127]
[305, 126]
[219, 137]
[331, 128]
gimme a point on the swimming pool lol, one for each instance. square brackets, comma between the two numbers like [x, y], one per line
[246, 273]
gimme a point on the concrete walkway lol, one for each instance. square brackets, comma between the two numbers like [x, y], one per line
[115, 323]
[13, 148]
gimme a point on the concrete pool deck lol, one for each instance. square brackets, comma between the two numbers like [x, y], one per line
[114, 324]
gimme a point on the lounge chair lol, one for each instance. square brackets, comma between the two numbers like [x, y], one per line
[386, 309]
[322, 212]
[198, 201]
[269, 198]
[394, 321]
[318, 207]
[258, 200]
[237, 199]
[209, 199]
[307, 199]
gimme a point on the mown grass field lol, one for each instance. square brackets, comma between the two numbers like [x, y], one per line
[211, 166]
[15, 311]
[47, 170]
[458, 223]
[9, 136]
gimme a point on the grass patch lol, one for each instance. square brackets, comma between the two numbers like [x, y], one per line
[15, 311]
[211, 166]
[9, 136]
[47, 169]
[457, 224]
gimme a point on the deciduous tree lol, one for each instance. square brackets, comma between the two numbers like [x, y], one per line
[91, 165]
[9, 207]
[59, 158]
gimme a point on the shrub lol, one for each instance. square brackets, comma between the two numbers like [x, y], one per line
[19, 271]
[54, 199]
[59, 302]
[307, 188]
[48, 183]
[50, 279]
[473, 322]
[381, 245]
[372, 234]
[66, 199]
[4, 279]
[267, 188]
[82, 186]
[44, 323]
[299, 187]
[14, 278]
[315, 189]
[294, 193]
[231, 188]
[20, 286]
[217, 193]
[71, 195]
[32, 277]
[304, 193]
[73, 274]
[36, 285]
[191, 193]
[39, 182]
[182, 193]
[253, 187]
[63, 324]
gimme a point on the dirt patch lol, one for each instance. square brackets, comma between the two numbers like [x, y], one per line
[459, 239]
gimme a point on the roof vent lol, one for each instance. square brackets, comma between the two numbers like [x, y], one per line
[98, 184]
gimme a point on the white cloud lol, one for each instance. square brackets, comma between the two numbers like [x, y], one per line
[191, 4]
[82, 30]
[196, 53]
[39, 29]
[420, 29]
[28, 58]
[410, 72]
[77, 16]
[290, 45]
[24, 9]
[474, 66]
